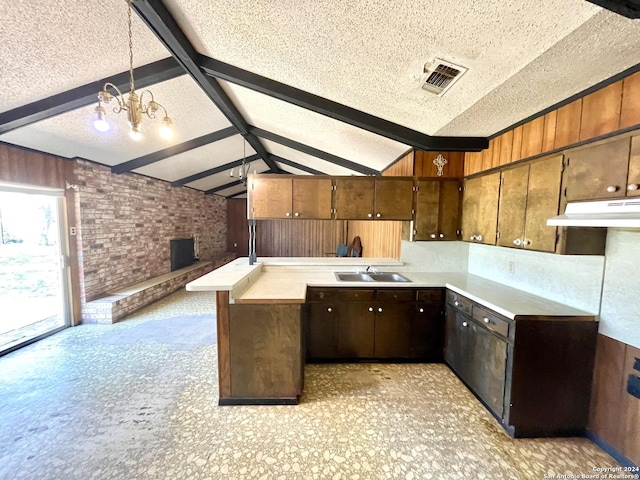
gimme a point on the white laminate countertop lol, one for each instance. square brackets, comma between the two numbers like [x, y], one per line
[285, 280]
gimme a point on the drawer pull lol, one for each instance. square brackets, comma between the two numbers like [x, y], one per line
[517, 242]
[422, 310]
[612, 188]
[479, 238]
[380, 309]
[456, 303]
[465, 324]
[632, 187]
[441, 235]
[486, 320]
[433, 235]
[329, 310]
[371, 309]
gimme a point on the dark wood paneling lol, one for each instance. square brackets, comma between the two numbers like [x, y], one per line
[472, 162]
[237, 227]
[532, 135]
[222, 323]
[487, 157]
[265, 343]
[403, 167]
[630, 111]
[381, 239]
[630, 408]
[517, 144]
[356, 330]
[300, 238]
[506, 145]
[424, 166]
[568, 124]
[18, 165]
[601, 111]
[606, 392]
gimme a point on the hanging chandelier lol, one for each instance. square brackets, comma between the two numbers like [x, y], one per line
[243, 169]
[135, 105]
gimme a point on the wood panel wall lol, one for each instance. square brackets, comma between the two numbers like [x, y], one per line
[402, 167]
[603, 112]
[300, 238]
[380, 239]
[615, 414]
[237, 227]
[28, 167]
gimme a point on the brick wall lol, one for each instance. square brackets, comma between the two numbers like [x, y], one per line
[125, 222]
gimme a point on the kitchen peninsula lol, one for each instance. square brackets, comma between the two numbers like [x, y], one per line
[528, 359]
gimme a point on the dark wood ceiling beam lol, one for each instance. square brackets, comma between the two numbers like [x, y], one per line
[173, 150]
[79, 97]
[298, 166]
[337, 111]
[213, 171]
[242, 192]
[161, 22]
[626, 8]
[301, 147]
[225, 186]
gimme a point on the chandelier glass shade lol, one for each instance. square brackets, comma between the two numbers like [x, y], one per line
[136, 106]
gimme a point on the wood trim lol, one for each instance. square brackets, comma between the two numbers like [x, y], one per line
[224, 353]
[630, 112]
[601, 111]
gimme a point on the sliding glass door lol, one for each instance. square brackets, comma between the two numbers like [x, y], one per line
[34, 278]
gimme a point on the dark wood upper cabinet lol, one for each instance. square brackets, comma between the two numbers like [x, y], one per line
[480, 208]
[529, 196]
[633, 179]
[367, 198]
[597, 172]
[437, 209]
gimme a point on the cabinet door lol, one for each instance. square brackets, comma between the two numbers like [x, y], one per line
[597, 172]
[323, 341]
[354, 198]
[270, 197]
[394, 198]
[427, 210]
[633, 181]
[513, 202]
[543, 199]
[393, 330]
[427, 331]
[449, 210]
[355, 330]
[487, 367]
[312, 198]
[456, 350]
[480, 208]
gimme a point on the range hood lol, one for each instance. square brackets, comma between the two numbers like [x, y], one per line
[624, 213]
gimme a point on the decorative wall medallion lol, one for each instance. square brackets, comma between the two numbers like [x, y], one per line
[440, 162]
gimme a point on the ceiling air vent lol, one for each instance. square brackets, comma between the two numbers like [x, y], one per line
[440, 75]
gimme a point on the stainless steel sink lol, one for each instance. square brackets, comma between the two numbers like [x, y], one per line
[353, 277]
[370, 277]
[388, 277]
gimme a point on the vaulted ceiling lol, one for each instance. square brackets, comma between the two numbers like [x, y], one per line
[329, 86]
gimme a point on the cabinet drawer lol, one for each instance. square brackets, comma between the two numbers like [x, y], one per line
[318, 295]
[431, 295]
[459, 302]
[353, 294]
[491, 320]
[396, 295]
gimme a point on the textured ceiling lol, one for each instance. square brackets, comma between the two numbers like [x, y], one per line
[522, 57]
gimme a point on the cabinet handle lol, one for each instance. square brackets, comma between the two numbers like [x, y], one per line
[371, 309]
[472, 237]
[517, 242]
[526, 242]
[479, 238]
[441, 235]
[422, 310]
[380, 309]
[296, 214]
[632, 187]
[329, 309]
[370, 215]
[433, 235]
[378, 215]
[287, 214]
[612, 188]
[486, 320]
[465, 324]
[456, 303]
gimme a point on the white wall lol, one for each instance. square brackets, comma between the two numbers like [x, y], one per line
[620, 313]
[435, 256]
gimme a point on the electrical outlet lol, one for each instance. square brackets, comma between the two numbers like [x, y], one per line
[235, 245]
[72, 231]
[512, 267]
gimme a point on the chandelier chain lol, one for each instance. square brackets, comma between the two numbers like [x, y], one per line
[131, 86]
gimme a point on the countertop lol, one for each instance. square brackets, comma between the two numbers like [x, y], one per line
[285, 280]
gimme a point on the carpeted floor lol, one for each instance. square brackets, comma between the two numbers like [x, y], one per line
[138, 400]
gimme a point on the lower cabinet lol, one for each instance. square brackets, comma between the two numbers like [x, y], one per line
[390, 323]
[532, 373]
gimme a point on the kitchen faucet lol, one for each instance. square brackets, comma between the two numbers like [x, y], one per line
[372, 268]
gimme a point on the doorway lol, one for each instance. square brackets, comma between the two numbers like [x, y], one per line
[34, 273]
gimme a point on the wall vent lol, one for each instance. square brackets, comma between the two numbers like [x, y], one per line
[440, 75]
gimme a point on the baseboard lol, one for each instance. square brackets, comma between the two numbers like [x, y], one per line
[223, 402]
[619, 457]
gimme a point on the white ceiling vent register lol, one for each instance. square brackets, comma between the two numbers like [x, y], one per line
[440, 75]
